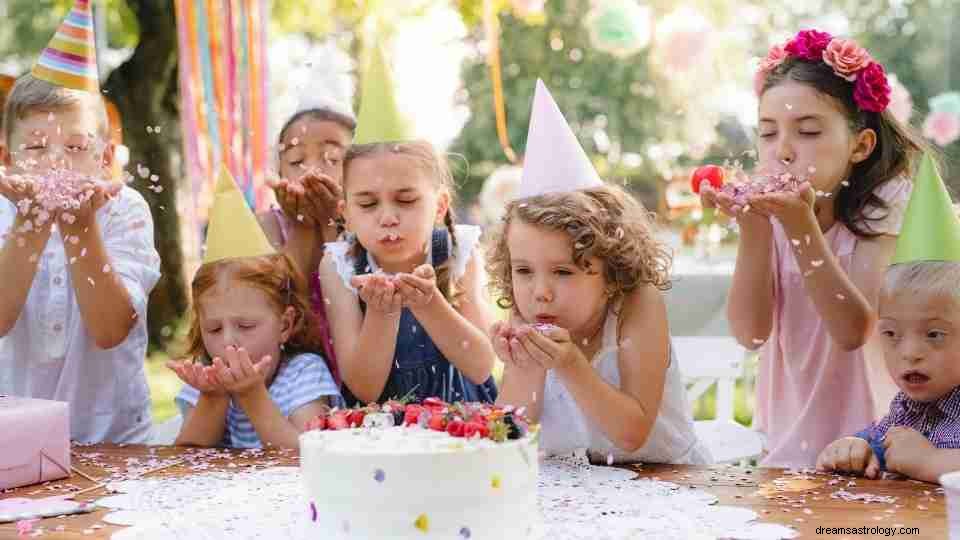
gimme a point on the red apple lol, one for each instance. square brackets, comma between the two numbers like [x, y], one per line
[713, 174]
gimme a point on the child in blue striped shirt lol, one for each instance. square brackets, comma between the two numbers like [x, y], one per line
[252, 317]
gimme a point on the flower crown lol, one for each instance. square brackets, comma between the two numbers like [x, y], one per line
[849, 61]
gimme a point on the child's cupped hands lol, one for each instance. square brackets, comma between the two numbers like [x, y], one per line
[95, 194]
[849, 455]
[418, 288]
[310, 200]
[790, 208]
[203, 378]
[380, 293]
[238, 373]
[16, 188]
[745, 214]
[549, 347]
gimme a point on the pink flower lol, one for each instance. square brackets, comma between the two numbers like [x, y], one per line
[774, 58]
[871, 91]
[809, 44]
[942, 127]
[846, 58]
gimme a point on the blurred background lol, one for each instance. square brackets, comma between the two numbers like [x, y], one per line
[651, 87]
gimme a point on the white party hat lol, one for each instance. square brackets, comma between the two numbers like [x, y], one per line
[325, 83]
[553, 161]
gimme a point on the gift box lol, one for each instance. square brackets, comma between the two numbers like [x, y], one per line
[34, 441]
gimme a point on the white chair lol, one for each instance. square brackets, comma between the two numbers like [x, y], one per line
[165, 433]
[705, 361]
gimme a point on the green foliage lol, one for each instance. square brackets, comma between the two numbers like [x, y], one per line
[596, 91]
[29, 24]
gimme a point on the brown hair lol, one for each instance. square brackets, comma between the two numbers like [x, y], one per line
[604, 222]
[278, 277]
[430, 162]
[31, 95]
[897, 147]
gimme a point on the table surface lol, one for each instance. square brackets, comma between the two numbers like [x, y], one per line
[800, 500]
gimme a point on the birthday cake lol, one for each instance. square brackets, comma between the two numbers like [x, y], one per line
[432, 470]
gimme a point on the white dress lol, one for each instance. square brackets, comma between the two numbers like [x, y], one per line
[565, 429]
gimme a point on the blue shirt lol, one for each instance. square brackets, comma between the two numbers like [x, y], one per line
[300, 380]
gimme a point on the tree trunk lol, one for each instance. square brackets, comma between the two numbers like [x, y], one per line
[144, 89]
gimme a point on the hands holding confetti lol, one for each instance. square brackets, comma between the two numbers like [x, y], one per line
[389, 293]
[311, 200]
[536, 346]
[236, 373]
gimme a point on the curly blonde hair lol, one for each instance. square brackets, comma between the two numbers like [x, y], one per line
[604, 222]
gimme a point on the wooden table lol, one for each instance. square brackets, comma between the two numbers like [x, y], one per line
[801, 501]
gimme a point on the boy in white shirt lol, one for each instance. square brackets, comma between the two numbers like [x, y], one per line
[75, 284]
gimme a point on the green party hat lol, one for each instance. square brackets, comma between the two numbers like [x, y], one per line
[379, 119]
[931, 229]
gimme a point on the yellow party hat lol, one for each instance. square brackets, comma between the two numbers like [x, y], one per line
[233, 230]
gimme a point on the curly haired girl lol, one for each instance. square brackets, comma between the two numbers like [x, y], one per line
[588, 350]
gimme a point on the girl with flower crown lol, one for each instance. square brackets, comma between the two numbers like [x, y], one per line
[810, 262]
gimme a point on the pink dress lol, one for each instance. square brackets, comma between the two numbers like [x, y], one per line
[809, 390]
[316, 302]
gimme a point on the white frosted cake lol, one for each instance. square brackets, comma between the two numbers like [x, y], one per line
[417, 482]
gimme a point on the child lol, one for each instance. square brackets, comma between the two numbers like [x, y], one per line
[252, 318]
[406, 284]
[806, 281]
[74, 299]
[919, 313]
[310, 153]
[579, 263]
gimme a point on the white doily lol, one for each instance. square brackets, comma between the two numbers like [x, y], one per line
[577, 501]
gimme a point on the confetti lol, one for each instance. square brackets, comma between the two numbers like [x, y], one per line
[464, 532]
[816, 263]
[379, 475]
[106, 269]
[92, 283]
[841, 297]
[845, 183]
[794, 241]
[758, 341]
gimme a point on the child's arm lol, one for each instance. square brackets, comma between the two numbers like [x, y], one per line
[750, 301]
[523, 383]
[205, 422]
[245, 381]
[19, 255]
[364, 345]
[625, 415]
[846, 309]
[455, 331]
[909, 453]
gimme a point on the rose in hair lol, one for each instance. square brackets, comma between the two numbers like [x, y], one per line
[809, 44]
[775, 57]
[846, 58]
[871, 90]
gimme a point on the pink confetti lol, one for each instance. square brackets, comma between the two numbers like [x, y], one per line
[106, 269]
[92, 284]
[816, 263]
[24, 526]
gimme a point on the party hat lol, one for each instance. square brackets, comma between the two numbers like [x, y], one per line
[233, 230]
[70, 60]
[931, 229]
[379, 119]
[554, 161]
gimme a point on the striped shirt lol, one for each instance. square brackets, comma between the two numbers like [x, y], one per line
[938, 421]
[299, 381]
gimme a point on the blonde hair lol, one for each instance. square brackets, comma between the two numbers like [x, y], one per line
[428, 160]
[31, 95]
[277, 276]
[929, 278]
[604, 222]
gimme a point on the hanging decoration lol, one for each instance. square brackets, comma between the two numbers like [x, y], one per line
[223, 78]
[619, 27]
[491, 26]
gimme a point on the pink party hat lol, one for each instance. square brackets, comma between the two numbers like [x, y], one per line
[70, 60]
[554, 161]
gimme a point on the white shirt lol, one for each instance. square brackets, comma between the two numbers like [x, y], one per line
[564, 428]
[48, 354]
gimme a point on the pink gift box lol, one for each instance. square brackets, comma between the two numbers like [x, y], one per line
[34, 441]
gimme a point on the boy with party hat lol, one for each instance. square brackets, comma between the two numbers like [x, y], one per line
[587, 350]
[252, 378]
[77, 254]
[919, 321]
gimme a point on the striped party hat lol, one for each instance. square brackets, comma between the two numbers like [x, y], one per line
[70, 60]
